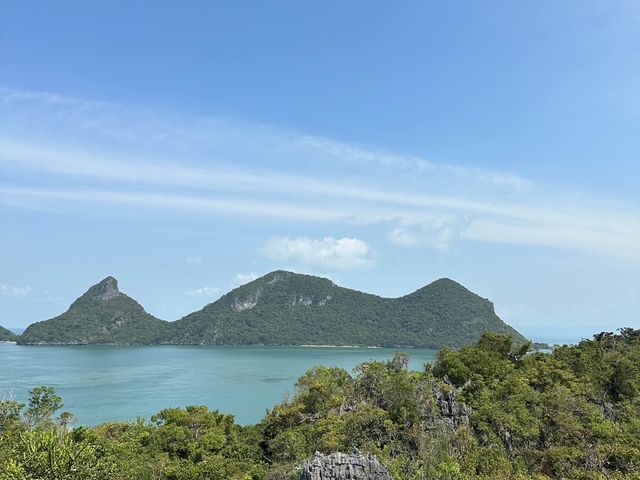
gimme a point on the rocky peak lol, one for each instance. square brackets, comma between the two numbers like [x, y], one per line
[104, 290]
[344, 466]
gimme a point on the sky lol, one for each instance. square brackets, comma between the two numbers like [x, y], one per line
[190, 147]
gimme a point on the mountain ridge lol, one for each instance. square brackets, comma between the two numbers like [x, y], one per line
[282, 308]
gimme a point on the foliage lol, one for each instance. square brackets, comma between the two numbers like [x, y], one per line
[9, 413]
[7, 335]
[50, 455]
[283, 308]
[43, 402]
[92, 319]
[488, 411]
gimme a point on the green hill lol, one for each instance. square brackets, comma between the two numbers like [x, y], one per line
[7, 335]
[103, 315]
[284, 308]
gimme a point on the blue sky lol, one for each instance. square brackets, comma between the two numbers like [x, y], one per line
[187, 148]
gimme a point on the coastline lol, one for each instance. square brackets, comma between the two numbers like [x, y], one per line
[334, 346]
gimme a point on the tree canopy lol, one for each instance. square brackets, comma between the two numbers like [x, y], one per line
[488, 411]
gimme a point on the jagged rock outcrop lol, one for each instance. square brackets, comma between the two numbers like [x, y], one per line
[104, 290]
[442, 411]
[454, 411]
[343, 466]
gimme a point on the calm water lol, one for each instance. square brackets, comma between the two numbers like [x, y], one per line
[98, 384]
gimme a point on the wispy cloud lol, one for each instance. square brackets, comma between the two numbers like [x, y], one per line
[171, 203]
[327, 253]
[437, 231]
[47, 296]
[13, 291]
[172, 163]
[204, 292]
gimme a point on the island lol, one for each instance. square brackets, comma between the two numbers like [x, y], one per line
[7, 335]
[281, 308]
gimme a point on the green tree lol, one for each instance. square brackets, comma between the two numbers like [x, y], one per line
[43, 403]
[10, 413]
[50, 455]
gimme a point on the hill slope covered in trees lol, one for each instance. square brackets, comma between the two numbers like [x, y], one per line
[103, 315]
[282, 308]
[7, 335]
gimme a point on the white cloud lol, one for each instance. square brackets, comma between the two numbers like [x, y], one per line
[326, 253]
[242, 278]
[193, 260]
[402, 236]
[173, 203]
[12, 291]
[592, 240]
[47, 296]
[437, 232]
[204, 291]
[167, 132]
[190, 165]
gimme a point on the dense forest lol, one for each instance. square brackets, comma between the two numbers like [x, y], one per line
[102, 315]
[7, 335]
[493, 410]
[282, 308]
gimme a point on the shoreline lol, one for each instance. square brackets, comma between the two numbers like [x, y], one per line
[218, 345]
[333, 346]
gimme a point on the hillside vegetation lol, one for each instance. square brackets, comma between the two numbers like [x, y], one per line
[103, 315]
[7, 335]
[488, 411]
[283, 308]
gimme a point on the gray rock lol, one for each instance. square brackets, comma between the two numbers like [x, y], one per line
[106, 289]
[456, 412]
[441, 410]
[343, 466]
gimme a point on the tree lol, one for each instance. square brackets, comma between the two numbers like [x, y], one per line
[66, 419]
[43, 403]
[9, 413]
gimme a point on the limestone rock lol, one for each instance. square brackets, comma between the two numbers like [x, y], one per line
[441, 410]
[343, 466]
[105, 290]
[453, 410]
[242, 304]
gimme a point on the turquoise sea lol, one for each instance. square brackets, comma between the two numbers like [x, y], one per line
[102, 383]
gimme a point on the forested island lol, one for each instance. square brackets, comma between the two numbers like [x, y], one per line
[281, 308]
[7, 335]
[493, 410]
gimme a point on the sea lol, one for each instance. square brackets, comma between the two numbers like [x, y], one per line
[105, 383]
